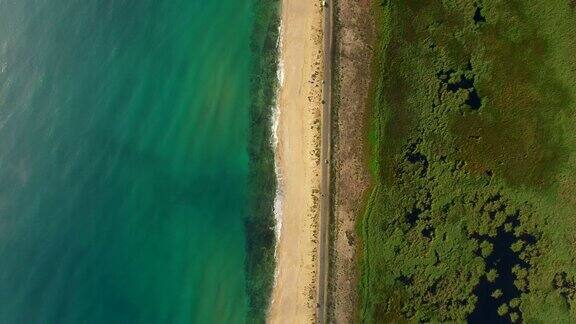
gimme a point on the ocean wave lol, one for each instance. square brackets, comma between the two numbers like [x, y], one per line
[275, 122]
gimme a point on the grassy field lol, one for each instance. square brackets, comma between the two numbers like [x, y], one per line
[473, 212]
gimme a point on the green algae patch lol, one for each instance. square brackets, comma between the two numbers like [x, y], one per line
[473, 153]
[260, 222]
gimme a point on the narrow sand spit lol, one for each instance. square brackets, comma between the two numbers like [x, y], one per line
[298, 162]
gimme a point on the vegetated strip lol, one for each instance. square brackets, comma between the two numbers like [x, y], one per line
[473, 139]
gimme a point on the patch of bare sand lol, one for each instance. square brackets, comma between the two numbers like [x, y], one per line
[298, 162]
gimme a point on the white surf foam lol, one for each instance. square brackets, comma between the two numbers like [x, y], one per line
[274, 125]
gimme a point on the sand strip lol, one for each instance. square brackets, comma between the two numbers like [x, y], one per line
[298, 162]
[354, 56]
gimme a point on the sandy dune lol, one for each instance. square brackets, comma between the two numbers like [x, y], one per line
[298, 162]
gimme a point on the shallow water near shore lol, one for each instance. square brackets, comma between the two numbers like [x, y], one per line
[123, 161]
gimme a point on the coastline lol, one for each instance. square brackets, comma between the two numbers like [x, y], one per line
[263, 182]
[297, 162]
[275, 141]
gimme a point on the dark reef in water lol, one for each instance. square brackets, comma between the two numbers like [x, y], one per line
[260, 222]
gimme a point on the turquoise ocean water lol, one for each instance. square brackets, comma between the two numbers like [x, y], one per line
[124, 128]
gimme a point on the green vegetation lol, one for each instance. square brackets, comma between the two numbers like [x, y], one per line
[260, 238]
[474, 139]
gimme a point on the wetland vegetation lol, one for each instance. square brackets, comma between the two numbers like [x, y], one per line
[472, 213]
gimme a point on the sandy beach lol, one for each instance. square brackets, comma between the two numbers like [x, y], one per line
[299, 104]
